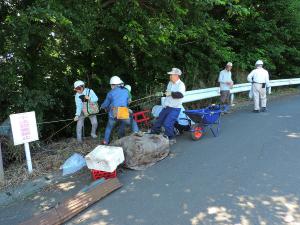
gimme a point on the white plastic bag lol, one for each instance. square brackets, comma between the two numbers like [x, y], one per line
[156, 110]
[251, 92]
[73, 164]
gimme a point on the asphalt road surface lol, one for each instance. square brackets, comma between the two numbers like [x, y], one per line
[250, 174]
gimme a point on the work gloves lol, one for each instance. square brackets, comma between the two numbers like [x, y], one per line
[76, 118]
[159, 94]
[168, 93]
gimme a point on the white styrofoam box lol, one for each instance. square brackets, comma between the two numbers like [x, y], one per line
[105, 158]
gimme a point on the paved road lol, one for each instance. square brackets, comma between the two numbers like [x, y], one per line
[250, 174]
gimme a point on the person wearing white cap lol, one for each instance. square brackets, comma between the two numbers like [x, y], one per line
[259, 78]
[172, 106]
[82, 95]
[226, 83]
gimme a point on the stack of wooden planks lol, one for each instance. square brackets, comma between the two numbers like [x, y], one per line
[71, 207]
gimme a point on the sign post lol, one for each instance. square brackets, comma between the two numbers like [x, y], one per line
[24, 129]
[1, 166]
[28, 157]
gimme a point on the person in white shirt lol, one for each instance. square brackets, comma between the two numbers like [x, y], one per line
[226, 83]
[172, 106]
[259, 78]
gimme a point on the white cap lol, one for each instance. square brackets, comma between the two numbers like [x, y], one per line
[78, 83]
[259, 62]
[175, 71]
[229, 64]
[128, 87]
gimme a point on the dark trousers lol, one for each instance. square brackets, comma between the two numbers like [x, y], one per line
[225, 97]
[167, 117]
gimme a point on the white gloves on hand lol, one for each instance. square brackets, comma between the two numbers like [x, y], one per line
[168, 93]
[76, 118]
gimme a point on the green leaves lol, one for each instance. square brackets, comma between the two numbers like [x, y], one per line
[54, 43]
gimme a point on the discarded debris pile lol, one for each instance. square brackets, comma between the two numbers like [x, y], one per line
[46, 159]
[143, 152]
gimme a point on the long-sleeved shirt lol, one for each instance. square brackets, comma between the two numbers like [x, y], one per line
[224, 77]
[117, 97]
[79, 103]
[259, 75]
[177, 92]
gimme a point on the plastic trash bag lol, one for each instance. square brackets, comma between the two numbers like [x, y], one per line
[73, 164]
[269, 90]
[251, 92]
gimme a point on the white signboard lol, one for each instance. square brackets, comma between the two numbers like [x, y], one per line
[24, 127]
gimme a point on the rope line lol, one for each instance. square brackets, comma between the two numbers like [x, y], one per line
[98, 114]
[52, 135]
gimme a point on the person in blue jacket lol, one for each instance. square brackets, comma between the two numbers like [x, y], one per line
[117, 97]
[83, 95]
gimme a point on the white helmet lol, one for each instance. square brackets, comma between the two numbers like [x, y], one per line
[259, 62]
[115, 80]
[128, 87]
[78, 83]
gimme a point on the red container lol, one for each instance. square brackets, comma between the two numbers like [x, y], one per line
[98, 174]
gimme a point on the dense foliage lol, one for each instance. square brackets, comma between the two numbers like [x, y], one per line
[45, 45]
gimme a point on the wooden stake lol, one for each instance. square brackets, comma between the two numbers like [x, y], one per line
[1, 167]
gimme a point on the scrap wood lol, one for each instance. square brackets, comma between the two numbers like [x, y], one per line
[71, 207]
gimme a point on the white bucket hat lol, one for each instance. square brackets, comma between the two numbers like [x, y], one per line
[78, 83]
[175, 71]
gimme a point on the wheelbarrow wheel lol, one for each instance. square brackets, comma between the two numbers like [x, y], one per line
[197, 132]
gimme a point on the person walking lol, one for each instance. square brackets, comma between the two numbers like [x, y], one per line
[83, 96]
[259, 78]
[172, 106]
[226, 83]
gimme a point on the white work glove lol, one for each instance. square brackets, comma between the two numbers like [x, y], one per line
[76, 118]
[159, 94]
[168, 93]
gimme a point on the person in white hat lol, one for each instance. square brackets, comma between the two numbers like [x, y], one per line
[226, 83]
[116, 101]
[172, 106]
[82, 95]
[259, 78]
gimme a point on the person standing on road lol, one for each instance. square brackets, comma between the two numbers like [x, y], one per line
[116, 104]
[226, 83]
[172, 106]
[84, 95]
[259, 78]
